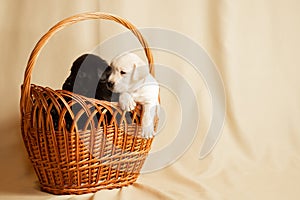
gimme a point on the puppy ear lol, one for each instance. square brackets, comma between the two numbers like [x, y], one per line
[135, 75]
[139, 72]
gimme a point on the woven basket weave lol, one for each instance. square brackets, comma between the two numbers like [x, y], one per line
[105, 153]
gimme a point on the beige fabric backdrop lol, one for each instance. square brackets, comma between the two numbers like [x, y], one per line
[255, 45]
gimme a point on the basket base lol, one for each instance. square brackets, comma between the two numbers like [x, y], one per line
[87, 189]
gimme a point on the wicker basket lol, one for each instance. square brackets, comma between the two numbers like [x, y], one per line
[105, 153]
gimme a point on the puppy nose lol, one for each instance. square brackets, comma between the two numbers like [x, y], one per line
[110, 84]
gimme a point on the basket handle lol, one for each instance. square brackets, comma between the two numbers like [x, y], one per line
[72, 20]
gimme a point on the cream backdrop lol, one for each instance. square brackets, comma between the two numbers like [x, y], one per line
[255, 45]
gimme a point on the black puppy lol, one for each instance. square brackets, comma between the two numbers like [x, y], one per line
[88, 77]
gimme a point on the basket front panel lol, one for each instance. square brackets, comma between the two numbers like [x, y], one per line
[93, 146]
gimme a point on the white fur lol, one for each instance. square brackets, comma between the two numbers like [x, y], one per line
[135, 86]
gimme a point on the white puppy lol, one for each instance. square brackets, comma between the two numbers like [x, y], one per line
[131, 78]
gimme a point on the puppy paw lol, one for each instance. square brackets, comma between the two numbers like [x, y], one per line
[148, 132]
[126, 102]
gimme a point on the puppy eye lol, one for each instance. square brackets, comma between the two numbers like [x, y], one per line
[122, 72]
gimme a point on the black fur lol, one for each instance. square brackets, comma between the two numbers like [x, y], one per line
[88, 77]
